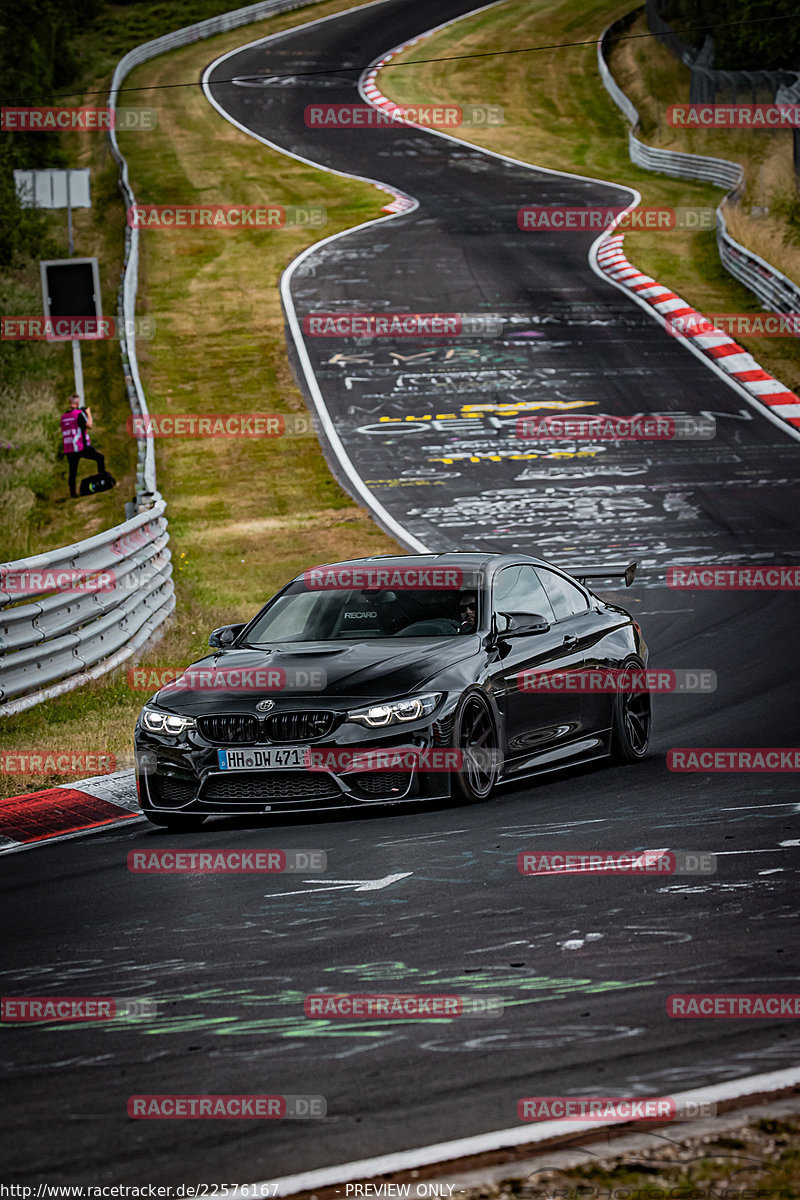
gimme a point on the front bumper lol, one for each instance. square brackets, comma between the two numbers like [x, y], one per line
[182, 774]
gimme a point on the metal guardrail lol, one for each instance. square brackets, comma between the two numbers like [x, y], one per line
[774, 289]
[51, 643]
[681, 165]
[609, 82]
[652, 158]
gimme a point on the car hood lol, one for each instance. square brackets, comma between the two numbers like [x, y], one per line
[331, 672]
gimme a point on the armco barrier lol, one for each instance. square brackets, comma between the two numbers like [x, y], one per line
[774, 290]
[685, 166]
[52, 644]
[609, 82]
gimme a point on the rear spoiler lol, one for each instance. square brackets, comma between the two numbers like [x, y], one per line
[619, 572]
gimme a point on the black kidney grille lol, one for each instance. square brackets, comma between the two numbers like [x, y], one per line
[299, 726]
[242, 728]
[267, 786]
[237, 727]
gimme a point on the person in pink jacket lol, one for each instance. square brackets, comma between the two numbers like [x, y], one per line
[76, 441]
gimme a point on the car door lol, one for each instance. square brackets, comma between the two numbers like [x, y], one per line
[536, 720]
[582, 629]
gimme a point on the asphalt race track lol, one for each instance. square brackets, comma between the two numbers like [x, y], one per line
[584, 963]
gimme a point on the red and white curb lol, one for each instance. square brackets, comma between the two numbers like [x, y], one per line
[367, 84]
[714, 343]
[67, 811]
[401, 203]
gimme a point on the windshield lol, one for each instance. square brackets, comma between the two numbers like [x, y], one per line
[350, 614]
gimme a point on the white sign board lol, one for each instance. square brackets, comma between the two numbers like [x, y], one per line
[53, 188]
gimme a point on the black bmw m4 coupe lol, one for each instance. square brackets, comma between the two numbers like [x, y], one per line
[396, 680]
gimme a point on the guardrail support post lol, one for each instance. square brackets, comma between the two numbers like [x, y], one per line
[77, 368]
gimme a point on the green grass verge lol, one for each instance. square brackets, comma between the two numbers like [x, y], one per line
[760, 1158]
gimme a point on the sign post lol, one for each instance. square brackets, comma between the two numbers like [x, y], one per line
[68, 188]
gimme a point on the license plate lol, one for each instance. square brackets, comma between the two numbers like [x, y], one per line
[268, 758]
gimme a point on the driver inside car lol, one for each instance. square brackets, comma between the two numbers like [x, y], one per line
[468, 612]
[424, 613]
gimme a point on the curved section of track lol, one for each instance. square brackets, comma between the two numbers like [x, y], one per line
[430, 427]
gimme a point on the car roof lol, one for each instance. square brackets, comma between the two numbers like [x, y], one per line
[474, 560]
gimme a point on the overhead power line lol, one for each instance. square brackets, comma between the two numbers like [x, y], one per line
[418, 62]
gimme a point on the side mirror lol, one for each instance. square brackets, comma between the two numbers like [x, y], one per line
[224, 636]
[523, 624]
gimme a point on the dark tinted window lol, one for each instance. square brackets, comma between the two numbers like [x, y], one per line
[565, 597]
[353, 614]
[517, 589]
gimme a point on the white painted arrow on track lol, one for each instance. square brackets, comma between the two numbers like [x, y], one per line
[340, 885]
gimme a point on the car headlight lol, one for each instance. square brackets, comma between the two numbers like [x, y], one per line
[160, 722]
[396, 712]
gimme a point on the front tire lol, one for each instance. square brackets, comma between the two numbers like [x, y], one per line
[475, 735]
[630, 734]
